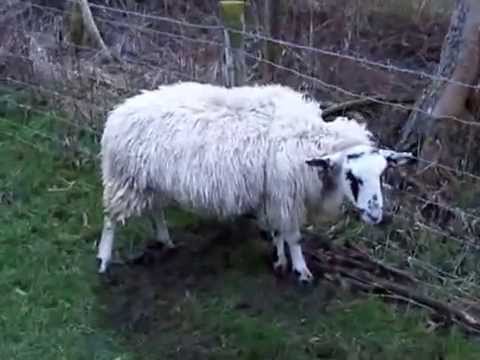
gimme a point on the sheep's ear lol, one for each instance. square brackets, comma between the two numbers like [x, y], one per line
[324, 163]
[395, 158]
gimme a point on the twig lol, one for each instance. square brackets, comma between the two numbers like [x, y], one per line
[388, 269]
[356, 103]
[92, 29]
[370, 283]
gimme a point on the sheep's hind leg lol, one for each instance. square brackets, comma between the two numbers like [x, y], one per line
[160, 228]
[105, 246]
[299, 264]
[280, 265]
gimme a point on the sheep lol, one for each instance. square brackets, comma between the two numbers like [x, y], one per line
[229, 152]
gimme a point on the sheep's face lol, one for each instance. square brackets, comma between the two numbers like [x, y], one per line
[359, 172]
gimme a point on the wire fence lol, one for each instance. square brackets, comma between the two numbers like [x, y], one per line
[259, 36]
[258, 59]
[263, 37]
[463, 284]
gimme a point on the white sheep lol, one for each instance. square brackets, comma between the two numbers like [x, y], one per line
[225, 153]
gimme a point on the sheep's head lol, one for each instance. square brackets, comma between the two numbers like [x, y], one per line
[359, 171]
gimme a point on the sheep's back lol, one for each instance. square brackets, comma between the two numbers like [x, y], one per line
[193, 150]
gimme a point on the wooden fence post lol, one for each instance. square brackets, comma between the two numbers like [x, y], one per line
[233, 16]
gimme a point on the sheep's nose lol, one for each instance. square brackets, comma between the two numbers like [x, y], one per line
[375, 219]
[386, 219]
[368, 217]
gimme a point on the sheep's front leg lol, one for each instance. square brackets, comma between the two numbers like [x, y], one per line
[160, 228]
[106, 244]
[299, 264]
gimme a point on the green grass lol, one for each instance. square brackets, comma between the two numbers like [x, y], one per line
[53, 305]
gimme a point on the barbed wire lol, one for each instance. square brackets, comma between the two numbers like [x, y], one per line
[141, 28]
[135, 26]
[140, 61]
[370, 98]
[389, 67]
[322, 83]
[373, 99]
[98, 133]
[153, 17]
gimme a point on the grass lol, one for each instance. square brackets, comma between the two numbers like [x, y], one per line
[54, 306]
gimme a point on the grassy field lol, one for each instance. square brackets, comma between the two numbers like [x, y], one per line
[223, 303]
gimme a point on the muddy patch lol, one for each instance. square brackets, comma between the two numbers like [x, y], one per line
[164, 296]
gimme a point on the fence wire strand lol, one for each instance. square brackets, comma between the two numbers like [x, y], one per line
[27, 107]
[299, 74]
[373, 99]
[388, 67]
[327, 85]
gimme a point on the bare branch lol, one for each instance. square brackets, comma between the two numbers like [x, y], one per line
[92, 29]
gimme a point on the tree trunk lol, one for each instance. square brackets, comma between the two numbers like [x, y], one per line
[429, 132]
[82, 23]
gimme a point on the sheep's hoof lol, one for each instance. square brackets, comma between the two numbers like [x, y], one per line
[280, 267]
[102, 265]
[105, 265]
[304, 277]
[172, 246]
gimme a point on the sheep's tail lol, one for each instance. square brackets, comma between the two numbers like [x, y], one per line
[123, 200]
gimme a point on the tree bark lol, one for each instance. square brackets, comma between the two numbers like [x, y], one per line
[426, 132]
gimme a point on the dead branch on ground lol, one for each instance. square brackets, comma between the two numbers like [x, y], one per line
[349, 264]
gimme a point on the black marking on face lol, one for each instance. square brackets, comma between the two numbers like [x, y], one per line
[391, 161]
[355, 156]
[325, 164]
[329, 182]
[355, 184]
